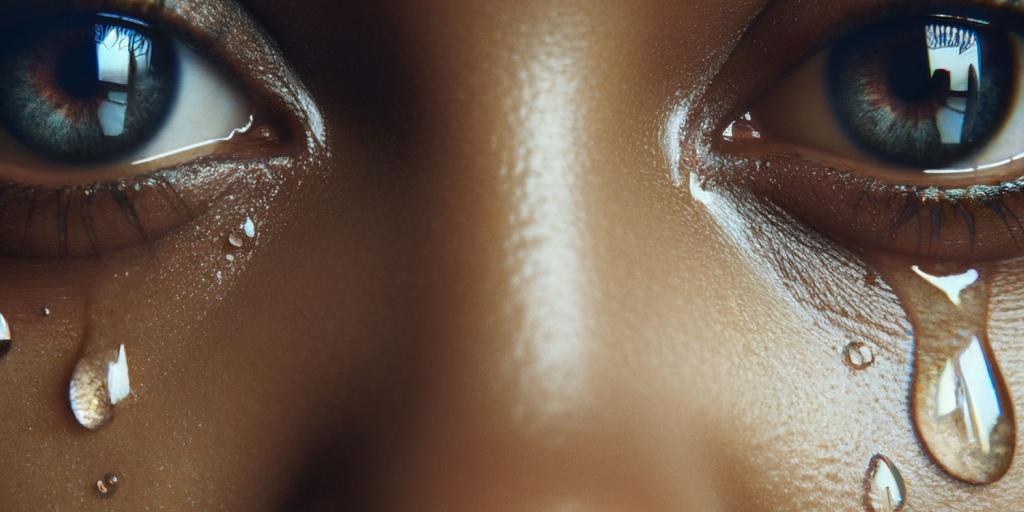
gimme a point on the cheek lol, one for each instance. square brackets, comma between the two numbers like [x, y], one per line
[757, 341]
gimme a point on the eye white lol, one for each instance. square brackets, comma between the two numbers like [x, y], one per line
[208, 109]
[1007, 145]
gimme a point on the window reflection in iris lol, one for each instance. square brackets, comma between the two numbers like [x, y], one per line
[87, 89]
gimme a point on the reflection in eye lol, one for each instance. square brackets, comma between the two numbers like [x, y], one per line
[82, 90]
[922, 94]
[936, 94]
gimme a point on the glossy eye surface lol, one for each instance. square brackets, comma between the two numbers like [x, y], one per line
[922, 93]
[81, 90]
[89, 89]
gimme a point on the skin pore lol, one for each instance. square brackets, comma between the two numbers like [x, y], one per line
[494, 287]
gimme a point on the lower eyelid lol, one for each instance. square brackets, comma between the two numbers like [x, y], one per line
[93, 220]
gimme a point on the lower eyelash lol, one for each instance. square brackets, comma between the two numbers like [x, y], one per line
[79, 200]
[933, 207]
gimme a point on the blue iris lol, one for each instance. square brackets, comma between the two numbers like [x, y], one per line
[924, 93]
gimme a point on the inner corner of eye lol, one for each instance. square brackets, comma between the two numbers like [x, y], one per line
[110, 88]
[936, 92]
[742, 129]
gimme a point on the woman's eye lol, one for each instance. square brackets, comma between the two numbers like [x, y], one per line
[92, 89]
[905, 135]
[108, 120]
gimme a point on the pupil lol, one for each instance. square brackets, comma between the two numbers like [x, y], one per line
[909, 76]
[76, 72]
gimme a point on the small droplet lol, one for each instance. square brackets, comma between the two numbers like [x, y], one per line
[5, 336]
[235, 240]
[249, 227]
[858, 355]
[45, 311]
[230, 257]
[870, 278]
[884, 487]
[97, 385]
[107, 485]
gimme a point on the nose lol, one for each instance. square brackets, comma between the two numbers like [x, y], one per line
[505, 393]
[526, 387]
[508, 393]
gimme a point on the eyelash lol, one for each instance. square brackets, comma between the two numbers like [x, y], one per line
[931, 204]
[64, 200]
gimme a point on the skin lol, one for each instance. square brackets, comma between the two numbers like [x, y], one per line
[492, 295]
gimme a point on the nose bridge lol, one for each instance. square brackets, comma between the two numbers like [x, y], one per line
[506, 243]
[546, 247]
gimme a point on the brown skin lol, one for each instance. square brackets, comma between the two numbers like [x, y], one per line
[427, 324]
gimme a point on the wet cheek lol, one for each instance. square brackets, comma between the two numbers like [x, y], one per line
[106, 350]
[795, 335]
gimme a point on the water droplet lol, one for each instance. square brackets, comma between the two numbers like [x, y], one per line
[960, 404]
[5, 336]
[97, 385]
[107, 485]
[230, 257]
[235, 240]
[884, 487]
[858, 355]
[45, 311]
[249, 227]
